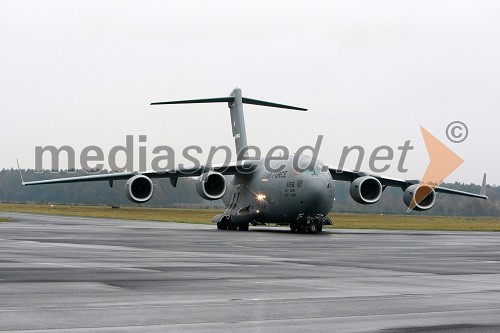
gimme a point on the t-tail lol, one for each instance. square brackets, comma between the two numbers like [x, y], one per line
[235, 103]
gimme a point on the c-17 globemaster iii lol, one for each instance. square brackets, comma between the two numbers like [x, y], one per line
[293, 190]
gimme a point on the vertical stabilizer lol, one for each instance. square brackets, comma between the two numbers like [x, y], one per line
[235, 102]
[238, 122]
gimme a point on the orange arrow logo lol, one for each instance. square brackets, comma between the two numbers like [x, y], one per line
[442, 162]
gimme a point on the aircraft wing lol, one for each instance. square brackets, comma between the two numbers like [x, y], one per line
[173, 174]
[350, 176]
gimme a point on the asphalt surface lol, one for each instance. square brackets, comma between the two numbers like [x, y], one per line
[80, 275]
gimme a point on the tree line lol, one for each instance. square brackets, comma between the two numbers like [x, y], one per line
[185, 195]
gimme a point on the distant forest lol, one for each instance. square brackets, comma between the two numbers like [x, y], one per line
[185, 195]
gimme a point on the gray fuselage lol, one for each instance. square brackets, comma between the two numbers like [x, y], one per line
[279, 191]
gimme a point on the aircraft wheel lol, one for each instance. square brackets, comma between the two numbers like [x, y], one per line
[320, 227]
[243, 227]
[223, 225]
[311, 228]
[294, 228]
[302, 228]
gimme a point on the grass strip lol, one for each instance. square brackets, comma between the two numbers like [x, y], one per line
[204, 216]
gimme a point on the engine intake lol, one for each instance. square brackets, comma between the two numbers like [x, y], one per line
[139, 189]
[211, 185]
[424, 195]
[366, 190]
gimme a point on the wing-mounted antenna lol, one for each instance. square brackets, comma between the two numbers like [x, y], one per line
[235, 103]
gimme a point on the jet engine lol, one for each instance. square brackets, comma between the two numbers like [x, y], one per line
[418, 191]
[139, 189]
[211, 185]
[366, 190]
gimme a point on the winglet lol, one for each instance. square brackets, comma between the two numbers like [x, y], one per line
[20, 173]
[483, 187]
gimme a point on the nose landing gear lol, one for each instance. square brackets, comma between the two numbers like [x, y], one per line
[309, 224]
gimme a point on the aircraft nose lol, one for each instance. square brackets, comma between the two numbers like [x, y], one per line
[313, 192]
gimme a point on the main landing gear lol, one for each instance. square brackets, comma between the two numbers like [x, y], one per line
[309, 224]
[227, 224]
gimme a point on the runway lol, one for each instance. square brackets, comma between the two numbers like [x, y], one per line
[79, 275]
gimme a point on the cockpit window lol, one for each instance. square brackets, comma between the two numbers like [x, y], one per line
[305, 162]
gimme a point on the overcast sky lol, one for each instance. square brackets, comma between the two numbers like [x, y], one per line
[370, 72]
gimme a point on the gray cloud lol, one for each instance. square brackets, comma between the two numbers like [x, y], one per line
[84, 73]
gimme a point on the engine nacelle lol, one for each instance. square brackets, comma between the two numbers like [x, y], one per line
[211, 185]
[418, 192]
[139, 189]
[366, 190]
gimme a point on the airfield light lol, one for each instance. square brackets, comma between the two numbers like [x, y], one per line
[261, 197]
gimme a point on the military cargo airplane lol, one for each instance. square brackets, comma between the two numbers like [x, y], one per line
[300, 194]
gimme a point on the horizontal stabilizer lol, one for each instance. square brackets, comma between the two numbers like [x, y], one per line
[235, 103]
[270, 104]
[197, 101]
[230, 99]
